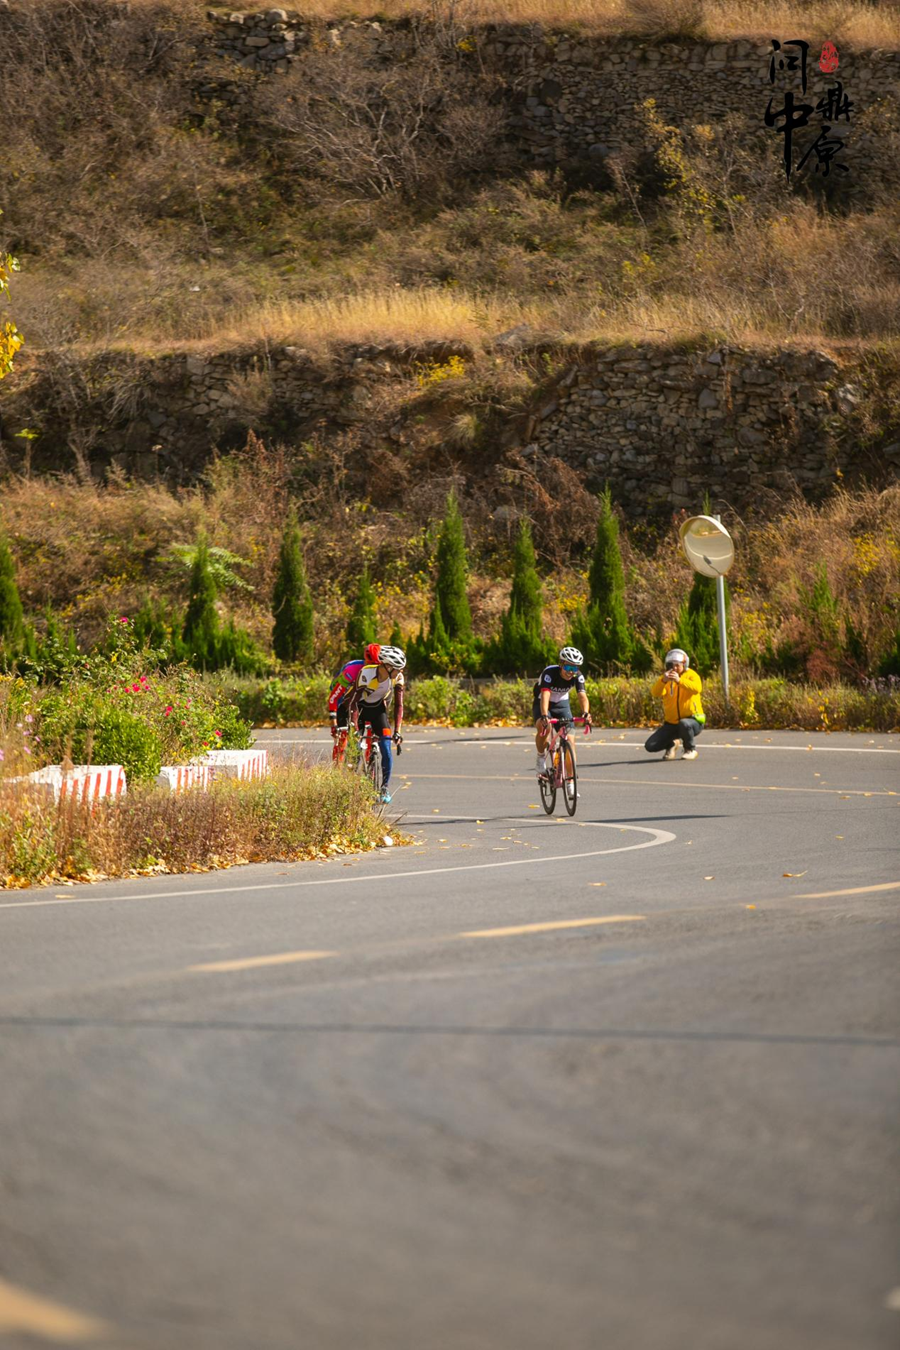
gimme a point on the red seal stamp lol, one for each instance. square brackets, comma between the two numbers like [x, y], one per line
[829, 59]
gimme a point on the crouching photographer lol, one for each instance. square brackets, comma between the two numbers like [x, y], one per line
[679, 688]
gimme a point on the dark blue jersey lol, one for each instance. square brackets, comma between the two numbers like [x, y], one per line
[560, 688]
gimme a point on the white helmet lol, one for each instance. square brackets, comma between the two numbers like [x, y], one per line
[676, 654]
[571, 656]
[392, 657]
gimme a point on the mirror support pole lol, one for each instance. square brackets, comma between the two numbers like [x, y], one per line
[723, 636]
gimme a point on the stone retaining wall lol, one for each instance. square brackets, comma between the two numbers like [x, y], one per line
[576, 97]
[652, 420]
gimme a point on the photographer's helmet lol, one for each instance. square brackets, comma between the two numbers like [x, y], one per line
[676, 654]
[571, 656]
[393, 658]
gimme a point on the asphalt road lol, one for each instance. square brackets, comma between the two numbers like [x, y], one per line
[623, 1083]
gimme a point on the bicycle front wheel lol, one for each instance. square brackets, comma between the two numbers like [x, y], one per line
[374, 770]
[569, 778]
[547, 783]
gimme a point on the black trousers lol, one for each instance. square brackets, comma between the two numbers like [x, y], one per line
[664, 737]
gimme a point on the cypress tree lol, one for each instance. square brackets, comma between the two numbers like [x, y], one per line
[451, 614]
[201, 621]
[604, 631]
[361, 624]
[698, 624]
[521, 644]
[292, 633]
[12, 619]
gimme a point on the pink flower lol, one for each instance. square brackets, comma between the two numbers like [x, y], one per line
[135, 688]
[218, 733]
[123, 618]
[2, 756]
[27, 749]
[28, 717]
[168, 711]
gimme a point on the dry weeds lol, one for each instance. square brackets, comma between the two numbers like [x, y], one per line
[295, 813]
[852, 22]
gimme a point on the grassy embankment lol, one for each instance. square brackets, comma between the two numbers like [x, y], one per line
[144, 221]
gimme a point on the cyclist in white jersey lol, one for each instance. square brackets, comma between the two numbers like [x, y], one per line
[367, 702]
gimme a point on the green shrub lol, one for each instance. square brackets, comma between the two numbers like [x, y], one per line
[361, 624]
[292, 610]
[521, 645]
[698, 624]
[603, 631]
[12, 618]
[201, 622]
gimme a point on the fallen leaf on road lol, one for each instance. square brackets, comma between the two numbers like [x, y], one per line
[751, 907]
[795, 874]
[598, 883]
[709, 878]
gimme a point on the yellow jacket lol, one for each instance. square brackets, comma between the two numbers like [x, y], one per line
[681, 698]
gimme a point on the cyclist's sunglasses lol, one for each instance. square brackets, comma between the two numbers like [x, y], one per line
[571, 669]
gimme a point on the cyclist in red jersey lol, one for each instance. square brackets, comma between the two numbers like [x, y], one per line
[338, 700]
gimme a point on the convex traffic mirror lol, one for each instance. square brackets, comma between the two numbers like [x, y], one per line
[708, 546]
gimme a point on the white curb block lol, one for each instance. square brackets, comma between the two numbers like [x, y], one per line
[242, 764]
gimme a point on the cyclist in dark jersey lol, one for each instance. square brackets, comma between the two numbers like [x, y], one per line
[551, 699]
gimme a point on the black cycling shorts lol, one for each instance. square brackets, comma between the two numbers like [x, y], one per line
[561, 711]
[376, 715]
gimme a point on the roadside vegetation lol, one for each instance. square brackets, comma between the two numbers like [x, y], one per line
[118, 706]
[291, 815]
[814, 595]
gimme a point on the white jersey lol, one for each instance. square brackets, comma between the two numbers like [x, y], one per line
[372, 690]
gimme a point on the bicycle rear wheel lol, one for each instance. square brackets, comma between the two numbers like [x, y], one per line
[569, 778]
[547, 784]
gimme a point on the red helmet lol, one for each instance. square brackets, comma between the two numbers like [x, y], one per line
[372, 653]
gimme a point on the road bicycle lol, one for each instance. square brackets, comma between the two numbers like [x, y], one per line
[365, 755]
[562, 774]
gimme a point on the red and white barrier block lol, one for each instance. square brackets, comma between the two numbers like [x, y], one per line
[184, 777]
[83, 782]
[92, 782]
[242, 764]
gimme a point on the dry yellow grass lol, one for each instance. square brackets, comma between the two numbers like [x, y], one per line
[861, 25]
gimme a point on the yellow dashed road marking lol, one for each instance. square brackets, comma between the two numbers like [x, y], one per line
[853, 890]
[546, 927]
[27, 1313]
[251, 962]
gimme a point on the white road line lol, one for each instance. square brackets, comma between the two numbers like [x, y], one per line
[370, 879]
[659, 782]
[526, 738]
